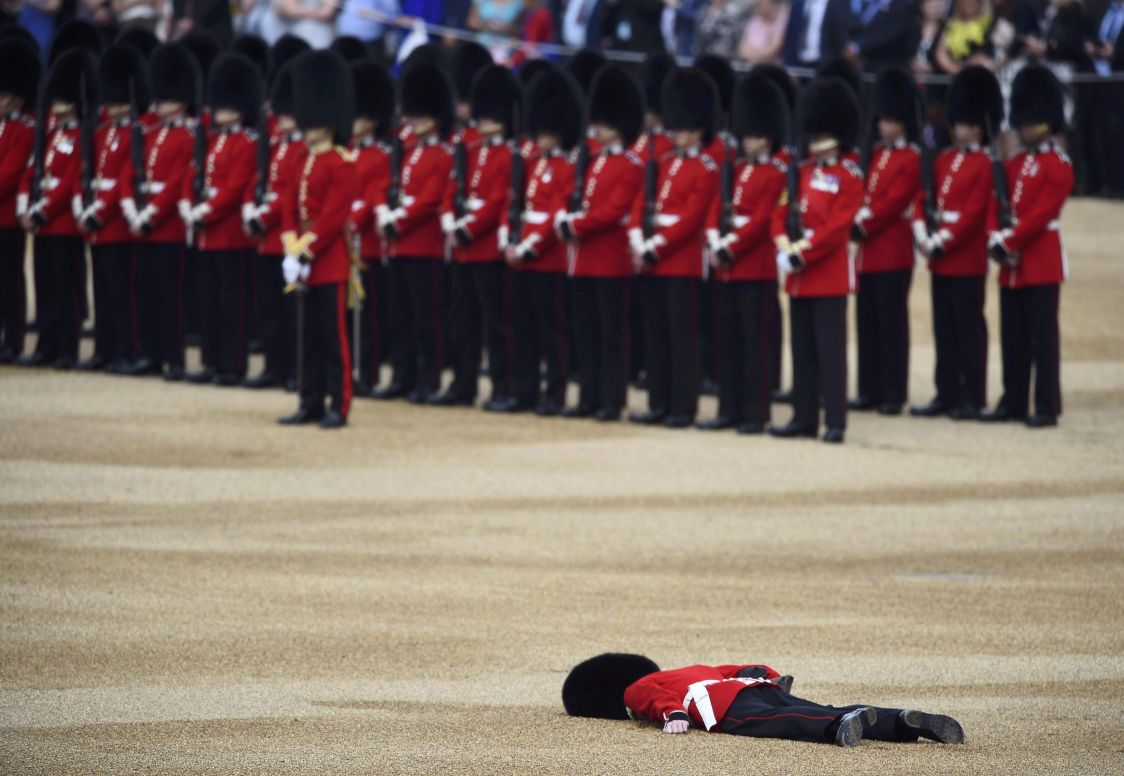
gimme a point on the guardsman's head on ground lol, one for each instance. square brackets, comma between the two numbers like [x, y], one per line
[595, 687]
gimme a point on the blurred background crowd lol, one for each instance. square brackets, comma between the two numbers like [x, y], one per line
[1081, 40]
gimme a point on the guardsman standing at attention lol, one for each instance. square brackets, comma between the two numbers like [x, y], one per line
[668, 238]
[819, 270]
[1030, 253]
[885, 260]
[316, 252]
[19, 87]
[957, 250]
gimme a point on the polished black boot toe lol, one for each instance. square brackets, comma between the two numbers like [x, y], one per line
[933, 409]
[1041, 421]
[299, 417]
[333, 419]
[833, 436]
[861, 403]
[649, 418]
[793, 431]
[721, 423]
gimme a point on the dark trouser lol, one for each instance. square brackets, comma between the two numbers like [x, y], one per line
[882, 315]
[480, 314]
[275, 316]
[538, 332]
[775, 341]
[707, 338]
[369, 348]
[222, 310]
[960, 337]
[747, 324]
[636, 355]
[189, 289]
[601, 332]
[13, 291]
[327, 354]
[114, 304]
[58, 295]
[416, 285]
[160, 302]
[1028, 326]
[765, 711]
[819, 360]
[671, 320]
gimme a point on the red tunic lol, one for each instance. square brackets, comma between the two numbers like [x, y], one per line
[228, 183]
[61, 171]
[892, 186]
[372, 171]
[657, 695]
[287, 152]
[758, 186]
[601, 229]
[550, 182]
[1040, 180]
[425, 174]
[325, 190]
[112, 154]
[830, 196]
[486, 189]
[167, 158]
[964, 192]
[17, 142]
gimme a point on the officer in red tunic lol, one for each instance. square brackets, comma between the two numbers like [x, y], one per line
[885, 260]
[1031, 254]
[44, 207]
[412, 228]
[957, 251]
[316, 241]
[818, 268]
[534, 251]
[216, 217]
[124, 92]
[744, 259]
[600, 263]
[745, 700]
[668, 244]
[149, 201]
[470, 218]
[19, 85]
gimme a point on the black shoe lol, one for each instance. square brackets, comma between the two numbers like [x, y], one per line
[721, 423]
[708, 387]
[117, 366]
[32, 359]
[63, 363]
[833, 436]
[850, 730]
[291, 385]
[640, 383]
[507, 405]
[861, 403]
[450, 399]
[264, 380]
[548, 409]
[781, 397]
[143, 367]
[392, 391]
[92, 364]
[420, 396]
[497, 404]
[7, 355]
[300, 416]
[1041, 421]
[649, 418]
[999, 415]
[933, 409]
[751, 428]
[935, 727]
[202, 376]
[679, 421]
[965, 412]
[173, 374]
[360, 388]
[784, 683]
[227, 380]
[889, 408]
[792, 430]
[333, 419]
[608, 414]
[580, 411]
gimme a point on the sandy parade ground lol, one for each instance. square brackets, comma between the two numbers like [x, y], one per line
[187, 587]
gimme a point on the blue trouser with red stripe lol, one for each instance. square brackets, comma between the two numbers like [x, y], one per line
[327, 352]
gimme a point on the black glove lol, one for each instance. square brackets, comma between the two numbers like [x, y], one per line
[256, 226]
[797, 261]
[567, 231]
[91, 223]
[650, 258]
[857, 233]
[37, 218]
[527, 256]
[391, 230]
[462, 236]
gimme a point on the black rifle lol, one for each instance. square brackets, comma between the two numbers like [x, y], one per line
[394, 189]
[39, 152]
[518, 195]
[726, 192]
[581, 167]
[928, 189]
[261, 190]
[85, 145]
[460, 176]
[794, 224]
[651, 181]
[136, 152]
[1002, 196]
[866, 150]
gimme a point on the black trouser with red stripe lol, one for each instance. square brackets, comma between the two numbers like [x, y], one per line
[1028, 320]
[882, 315]
[479, 314]
[775, 343]
[416, 299]
[13, 290]
[707, 337]
[765, 711]
[276, 327]
[114, 307]
[159, 294]
[671, 320]
[819, 360]
[960, 339]
[372, 323]
[600, 308]
[58, 295]
[747, 325]
[538, 332]
[222, 310]
[327, 351]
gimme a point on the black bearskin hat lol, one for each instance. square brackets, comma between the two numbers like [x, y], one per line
[236, 84]
[595, 687]
[323, 95]
[846, 70]
[350, 48]
[690, 101]
[374, 94]
[204, 47]
[20, 71]
[71, 72]
[122, 69]
[652, 73]
[281, 92]
[76, 34]
[497, 94]
[828, 106]
[140, 38]
[897, 97]
[284, 50]
[782, 79]
[583, 66]
[554, 105]
[719, 70]
[9, 31]
[761, 108]
[615, 99]
[469, 59]
[974, 98]
[533, 67]
[427, 91]
[254, 49]
[433, 53]
[1037, 98]
[175, 76]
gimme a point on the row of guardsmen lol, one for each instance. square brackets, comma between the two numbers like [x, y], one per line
[547, 218]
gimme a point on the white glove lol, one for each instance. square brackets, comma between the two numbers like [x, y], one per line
[999, 238]
[76, 207]
[145, 216]
[305, 270]
[199, 212]
[938, 240]
[291, 269]
[250, 211]
[784, 264]
[501, 236]
[448, 223]
[636, 241]
[183, 207]
[920, 237]
[713, 240]
[21, 205]
[864, 214]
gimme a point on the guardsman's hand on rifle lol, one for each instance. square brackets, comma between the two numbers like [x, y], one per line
[936, 243]
[858, 231]
[636, 242]
[388, 221]
[564, 225]
[461, 234]
[997, 248]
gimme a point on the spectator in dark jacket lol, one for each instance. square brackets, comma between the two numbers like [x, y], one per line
[886, 32]
[817, 32]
